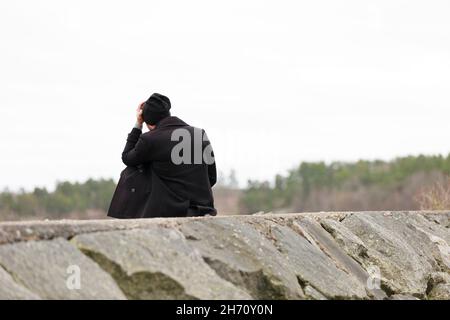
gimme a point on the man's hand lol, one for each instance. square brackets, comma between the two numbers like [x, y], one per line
[139, 116]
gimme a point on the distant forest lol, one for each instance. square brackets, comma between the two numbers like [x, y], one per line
[405, 183]
[71, 200]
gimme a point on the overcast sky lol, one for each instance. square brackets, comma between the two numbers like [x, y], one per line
[273, 83]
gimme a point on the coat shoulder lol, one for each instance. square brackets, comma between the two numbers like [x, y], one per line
[149, 135]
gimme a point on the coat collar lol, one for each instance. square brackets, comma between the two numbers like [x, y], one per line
[171, 121]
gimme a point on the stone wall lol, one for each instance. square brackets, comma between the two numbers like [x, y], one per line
[352, 255]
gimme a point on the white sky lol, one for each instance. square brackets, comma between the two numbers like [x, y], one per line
[272, 82]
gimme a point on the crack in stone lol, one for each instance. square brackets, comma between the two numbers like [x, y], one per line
[304, 284]
[140, 285]
[256, 283]
[18, 281]
[363, 255]
[347, 215]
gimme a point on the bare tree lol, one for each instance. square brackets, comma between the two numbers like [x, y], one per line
[436, 197]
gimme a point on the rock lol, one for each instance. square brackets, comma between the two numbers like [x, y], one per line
[436, 224]
[326, 255]
[439, 286]
[345, 238]
[313, 293]
[433, 226]
[156, 263]
[42, 266]
[11, 290]
[11, 232]
[314, 268]
[440, 292]
[239, 254]
[404, 256]
[343, 261]
[441, 218]
[402, 297]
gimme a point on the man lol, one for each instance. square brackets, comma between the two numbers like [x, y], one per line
[170, 172]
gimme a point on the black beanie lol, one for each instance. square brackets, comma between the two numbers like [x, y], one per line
[156, 108]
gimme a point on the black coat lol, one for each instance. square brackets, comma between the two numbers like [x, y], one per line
[153, 186]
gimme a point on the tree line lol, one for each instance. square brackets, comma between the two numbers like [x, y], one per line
[66, 198]
[312, 186]
[361, 185]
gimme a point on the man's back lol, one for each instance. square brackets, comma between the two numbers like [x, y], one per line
[181, 168]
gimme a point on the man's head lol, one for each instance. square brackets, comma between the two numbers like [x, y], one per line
[156, 108]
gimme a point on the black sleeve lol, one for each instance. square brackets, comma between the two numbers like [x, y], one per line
[136, 150]
[212, 173]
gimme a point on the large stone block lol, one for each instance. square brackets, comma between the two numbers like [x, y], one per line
[156, 263]
[42, 267]
[313, 267]
[403, 252]
[240, 254]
